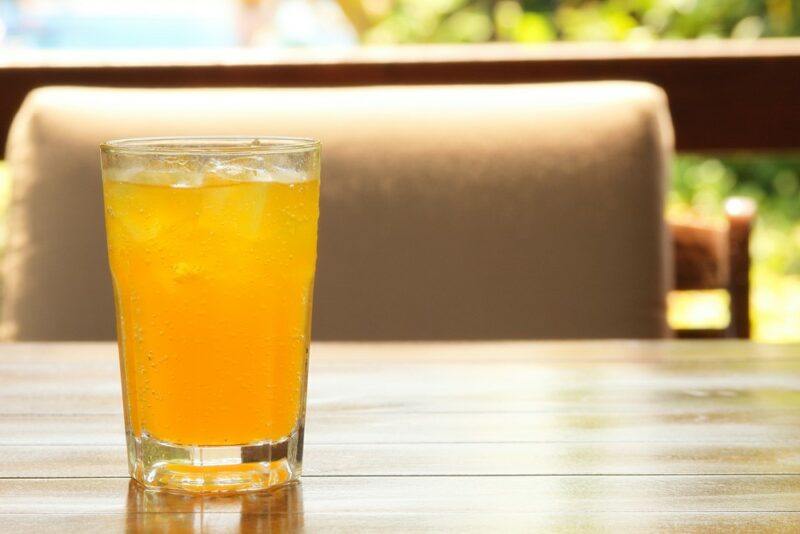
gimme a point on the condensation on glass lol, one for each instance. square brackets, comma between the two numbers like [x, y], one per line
[212, 246]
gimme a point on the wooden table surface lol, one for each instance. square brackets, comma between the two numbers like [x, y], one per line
[453, 436]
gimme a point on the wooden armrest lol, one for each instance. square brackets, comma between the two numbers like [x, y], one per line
[712, 257]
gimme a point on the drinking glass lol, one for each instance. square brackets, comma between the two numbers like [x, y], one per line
[212, 247]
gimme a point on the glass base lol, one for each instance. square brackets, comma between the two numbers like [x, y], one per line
[215, 469]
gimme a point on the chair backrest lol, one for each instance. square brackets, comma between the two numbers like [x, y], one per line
[448, 212]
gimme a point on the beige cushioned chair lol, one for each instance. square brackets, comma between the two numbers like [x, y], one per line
[454, 212]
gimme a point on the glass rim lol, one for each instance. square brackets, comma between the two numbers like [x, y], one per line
[233, 145]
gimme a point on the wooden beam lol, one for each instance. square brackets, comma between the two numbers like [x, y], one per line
[724, 95]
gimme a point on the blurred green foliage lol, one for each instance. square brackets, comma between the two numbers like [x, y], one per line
[469, 21]
[700, 184]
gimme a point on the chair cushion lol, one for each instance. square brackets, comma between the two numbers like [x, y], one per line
[448, 212]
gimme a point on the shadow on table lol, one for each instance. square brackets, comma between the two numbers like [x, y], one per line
[152, 511]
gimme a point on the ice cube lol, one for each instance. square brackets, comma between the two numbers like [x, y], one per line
[185, 271]
[187, 179]
[284, 175]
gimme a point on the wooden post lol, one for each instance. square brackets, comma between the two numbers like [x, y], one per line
[740, 212]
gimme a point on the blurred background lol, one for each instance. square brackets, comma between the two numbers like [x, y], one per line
[700, 183]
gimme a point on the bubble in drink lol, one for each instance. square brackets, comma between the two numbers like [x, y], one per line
[213, 276]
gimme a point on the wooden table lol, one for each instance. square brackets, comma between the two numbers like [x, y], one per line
[461, 437]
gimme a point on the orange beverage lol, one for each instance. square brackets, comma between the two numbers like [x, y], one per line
[213, 275]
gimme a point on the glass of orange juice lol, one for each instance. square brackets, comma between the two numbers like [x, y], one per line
[212, 246]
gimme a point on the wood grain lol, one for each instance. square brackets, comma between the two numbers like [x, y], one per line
[429, 495]
[453, 459]
[737, 425]
[686, 436]
[728, 95]
[484, 521]
[626, 377]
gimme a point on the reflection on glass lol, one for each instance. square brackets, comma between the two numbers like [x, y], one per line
[280, 510]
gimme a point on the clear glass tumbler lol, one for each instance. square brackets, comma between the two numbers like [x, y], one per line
[212, 246]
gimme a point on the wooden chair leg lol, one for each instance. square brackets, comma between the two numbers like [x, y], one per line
[741, 213]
